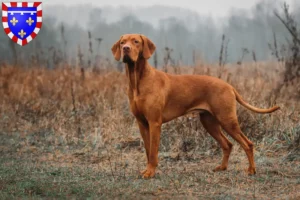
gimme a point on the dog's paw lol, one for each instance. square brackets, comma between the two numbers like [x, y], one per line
[143, 172]
[251, 171]
[220, 168]
[148, 173]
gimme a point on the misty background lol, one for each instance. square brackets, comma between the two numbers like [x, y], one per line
[64, 34]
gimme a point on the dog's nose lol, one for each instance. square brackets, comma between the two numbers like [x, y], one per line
[126, 48]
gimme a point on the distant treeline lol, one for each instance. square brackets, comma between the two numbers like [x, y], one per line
[247, 37]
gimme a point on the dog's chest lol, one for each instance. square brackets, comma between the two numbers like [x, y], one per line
[136, 105]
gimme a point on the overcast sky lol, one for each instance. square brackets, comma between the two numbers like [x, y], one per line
[216, 8]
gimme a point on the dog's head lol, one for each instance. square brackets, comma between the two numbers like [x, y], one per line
[130, 47]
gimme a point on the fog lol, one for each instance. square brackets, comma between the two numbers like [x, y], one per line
[188, 28]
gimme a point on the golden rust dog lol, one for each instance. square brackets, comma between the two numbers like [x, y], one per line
[157, 97]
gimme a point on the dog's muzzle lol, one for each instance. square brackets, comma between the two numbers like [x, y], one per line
[127, 59]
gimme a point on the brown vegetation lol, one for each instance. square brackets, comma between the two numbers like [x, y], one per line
[56, 125]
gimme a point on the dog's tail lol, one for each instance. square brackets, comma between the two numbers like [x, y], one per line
[258, 110]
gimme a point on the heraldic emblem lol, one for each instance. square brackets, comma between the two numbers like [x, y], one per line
[22, 21]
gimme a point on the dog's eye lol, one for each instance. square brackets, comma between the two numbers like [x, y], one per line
[136, 41]
[122, 42]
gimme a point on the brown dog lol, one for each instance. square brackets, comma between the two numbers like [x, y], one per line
[157, 97]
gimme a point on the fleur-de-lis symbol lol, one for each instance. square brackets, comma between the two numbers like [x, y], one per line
[14, 21]
[29, 21]
[22, 33]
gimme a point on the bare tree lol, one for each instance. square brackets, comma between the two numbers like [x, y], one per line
[292, 62]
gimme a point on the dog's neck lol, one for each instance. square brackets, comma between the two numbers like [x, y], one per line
[135, 72]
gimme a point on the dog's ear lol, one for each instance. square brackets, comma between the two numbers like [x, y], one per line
[148, 48]
[116, 51]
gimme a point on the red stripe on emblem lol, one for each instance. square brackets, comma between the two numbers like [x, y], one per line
[13, 4]
[33, 35]
[39, 24]
[24, 4]
[15, 39]
[39, 13]
[4, 19]
[4, 7]
[36, 4]
[24, 42]
[7, 31]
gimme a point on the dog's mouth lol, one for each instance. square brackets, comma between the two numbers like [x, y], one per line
[127, 59]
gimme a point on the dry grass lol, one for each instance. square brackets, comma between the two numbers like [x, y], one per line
[65, 136]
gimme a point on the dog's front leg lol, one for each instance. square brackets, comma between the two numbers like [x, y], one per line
[144, 131]
[154, 129]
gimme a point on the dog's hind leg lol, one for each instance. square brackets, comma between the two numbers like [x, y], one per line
[213, 127]
[229, 123]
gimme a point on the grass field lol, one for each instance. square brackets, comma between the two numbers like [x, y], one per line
[65, 134]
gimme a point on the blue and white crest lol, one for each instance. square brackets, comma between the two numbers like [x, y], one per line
[22, 21]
